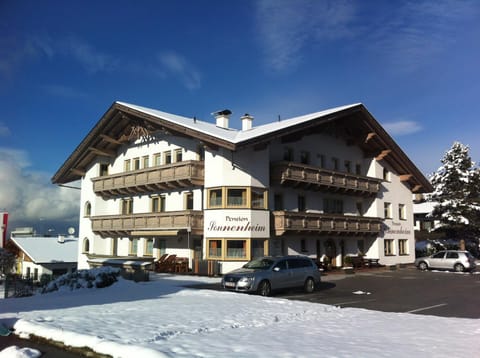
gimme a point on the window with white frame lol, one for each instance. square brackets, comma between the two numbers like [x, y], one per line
[403, 247]
[387, 210]
[401, 212]
[388, 247]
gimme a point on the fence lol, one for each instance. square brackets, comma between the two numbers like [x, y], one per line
[17, 286]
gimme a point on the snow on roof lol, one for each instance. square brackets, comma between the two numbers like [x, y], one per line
[48, 249]
[230, 134]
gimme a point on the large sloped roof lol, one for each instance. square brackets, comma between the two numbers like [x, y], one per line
[353, 122]
[42, 250]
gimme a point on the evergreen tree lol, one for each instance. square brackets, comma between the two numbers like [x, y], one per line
[457, 193]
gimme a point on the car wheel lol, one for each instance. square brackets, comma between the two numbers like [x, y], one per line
[309, 285]
[459, 268]
[264, 288]
[423, 266]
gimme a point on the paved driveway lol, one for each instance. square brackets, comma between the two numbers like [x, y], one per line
[435, 293]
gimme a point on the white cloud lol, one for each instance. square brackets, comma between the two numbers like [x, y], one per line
[402, 127]
[177, 66]
[287, 27]
[4, 130]
[28, 196]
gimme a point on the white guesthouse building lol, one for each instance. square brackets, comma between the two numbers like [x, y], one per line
[330, 183]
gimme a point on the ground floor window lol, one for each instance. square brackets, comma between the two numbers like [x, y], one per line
[162, 247]
[388, 247]
[236, 249]
[148, 247]
[133, 247]
[403, 247]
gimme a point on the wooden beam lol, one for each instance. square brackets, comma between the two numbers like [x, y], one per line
[109, 139]
[370, 136]
[405, 177]
[416, 188]
[106, 153]
[383, 154]
[77, 171]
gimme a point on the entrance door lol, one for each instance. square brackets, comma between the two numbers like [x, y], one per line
[331, 252]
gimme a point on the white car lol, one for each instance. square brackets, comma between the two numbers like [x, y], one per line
[455, 260]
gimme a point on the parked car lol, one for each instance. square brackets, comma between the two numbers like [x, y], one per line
[266, 274]
[458, 261]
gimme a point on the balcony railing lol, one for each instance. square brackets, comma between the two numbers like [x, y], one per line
[154, 224]
[315, 178]
[305, 222]
[153, 179]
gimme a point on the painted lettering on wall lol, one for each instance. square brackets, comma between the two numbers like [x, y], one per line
[397, 230]
[235, 224]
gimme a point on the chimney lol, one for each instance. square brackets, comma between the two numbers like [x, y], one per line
[222, 117]
[246, 122]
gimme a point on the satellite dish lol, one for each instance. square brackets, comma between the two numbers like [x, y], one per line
[71, 231]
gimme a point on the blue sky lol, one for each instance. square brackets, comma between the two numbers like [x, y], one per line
[414, 64]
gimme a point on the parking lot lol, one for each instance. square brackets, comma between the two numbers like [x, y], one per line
[410, 290]
[437, 293]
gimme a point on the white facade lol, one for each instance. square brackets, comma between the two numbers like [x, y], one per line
[309, 186]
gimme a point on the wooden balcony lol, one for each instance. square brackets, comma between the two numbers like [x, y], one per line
[316, 178]
[148, 224]
[165, 177]
[325, 224]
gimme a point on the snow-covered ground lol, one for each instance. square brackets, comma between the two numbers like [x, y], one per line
[164, 318]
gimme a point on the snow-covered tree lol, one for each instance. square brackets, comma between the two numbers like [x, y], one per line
[457, 193]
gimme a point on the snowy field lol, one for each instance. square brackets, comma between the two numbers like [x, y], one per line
[163, 318]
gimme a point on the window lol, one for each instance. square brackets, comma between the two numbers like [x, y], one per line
[158, 204]
[114, 247]
[387, 210]
[335, 163]
[178, 155]
[35, 274]
[332, 206]
[133, 247]
[303, 245]
[452, 255]
[348, 166]
[148, 247]
[200, 152]
[145, 162]
[103, 169]
[388, 248]
[278, 202]
[257, 248]
[361, 247]
[189, 201]
[27, 274]
[359, 205]
[126, 165]
[288, 154]
[214, 248]
[321, 160]
[236, 197]
[304, 157]
[301, 203]
[167, 157]
[86, 246]
[214, 198]
[401, 212]
[258, 198]
[88, 209]
[403, 247]
[236, 249]
[157, 159]
[358, 169]
[386, 174]
[136, 163]
[127, 206]
[162, 247]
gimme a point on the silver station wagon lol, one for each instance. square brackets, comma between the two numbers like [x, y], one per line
[455, 260]
[266, 274]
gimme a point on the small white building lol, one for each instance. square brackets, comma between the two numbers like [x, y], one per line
[330, 183]
[45, 255]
